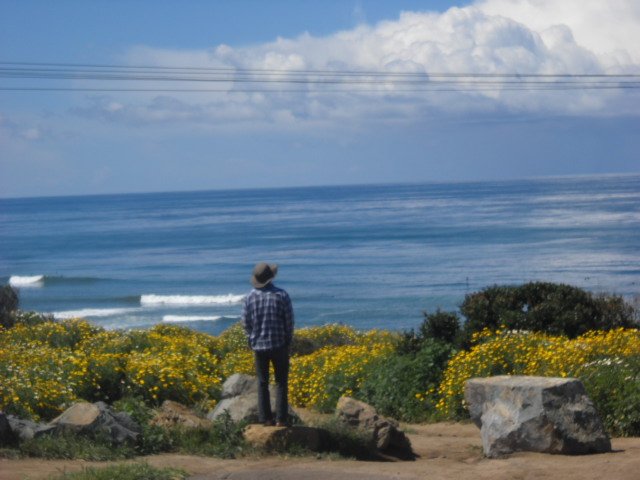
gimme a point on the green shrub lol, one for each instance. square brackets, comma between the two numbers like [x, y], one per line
[544, 307]
[224, 439]
[139, 411]
[614, 386]
[403, 386]
[152, 439]
[8, 305]
[444, 326]
[439, 325]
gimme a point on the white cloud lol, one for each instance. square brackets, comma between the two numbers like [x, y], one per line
[492, 36]
[610, 29]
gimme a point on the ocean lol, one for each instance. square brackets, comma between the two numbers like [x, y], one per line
[366, 256]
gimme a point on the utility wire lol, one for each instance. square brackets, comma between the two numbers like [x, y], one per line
[276, 80]
[313, 92]
[78, 66]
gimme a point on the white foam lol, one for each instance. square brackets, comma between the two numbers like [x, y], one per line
[92, 312]
[189, 318]
[26, 281]
[230, 299]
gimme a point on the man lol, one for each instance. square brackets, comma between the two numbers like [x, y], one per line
[267, 317]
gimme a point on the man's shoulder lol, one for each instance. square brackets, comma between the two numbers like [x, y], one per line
[280, 292]
[270, 290]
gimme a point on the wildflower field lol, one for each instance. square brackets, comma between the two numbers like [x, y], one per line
[608, 363]
[46, 365]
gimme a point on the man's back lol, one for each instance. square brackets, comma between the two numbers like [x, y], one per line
[267, 317]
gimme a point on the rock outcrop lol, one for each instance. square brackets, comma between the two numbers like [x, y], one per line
[27, 429]
[240, 400]
[538, 414]
[93, 418]
[385, 434]
[173, 414]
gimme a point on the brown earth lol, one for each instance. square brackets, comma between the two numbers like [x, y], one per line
[446, 451]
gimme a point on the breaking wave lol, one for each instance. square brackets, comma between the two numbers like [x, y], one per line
[191, 318]
[229, 299]
[92, 312]
[26, 281]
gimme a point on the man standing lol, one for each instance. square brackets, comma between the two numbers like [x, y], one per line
[267, 317]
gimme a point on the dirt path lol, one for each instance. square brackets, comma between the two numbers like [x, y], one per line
[446, 451]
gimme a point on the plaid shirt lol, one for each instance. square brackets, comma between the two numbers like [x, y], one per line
[267, 317]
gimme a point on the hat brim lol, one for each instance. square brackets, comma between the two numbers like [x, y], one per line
[258, 284]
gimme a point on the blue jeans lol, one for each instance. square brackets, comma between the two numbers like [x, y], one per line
[280, 359]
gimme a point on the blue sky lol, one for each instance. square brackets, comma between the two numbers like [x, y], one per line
[82, 142]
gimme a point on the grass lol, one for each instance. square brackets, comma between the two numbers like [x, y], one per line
[126, 471]
[223, 440]
[69, 446]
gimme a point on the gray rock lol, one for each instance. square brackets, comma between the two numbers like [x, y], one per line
[239, 384]
[27, 429]
[385, 434]
[95, 418]
[538, 414]
[240, 400]
[240, 408]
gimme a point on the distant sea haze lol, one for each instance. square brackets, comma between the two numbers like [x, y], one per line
[367, 256]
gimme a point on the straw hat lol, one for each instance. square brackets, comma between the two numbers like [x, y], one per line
[263, 274]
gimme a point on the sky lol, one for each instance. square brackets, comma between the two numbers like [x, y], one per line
[371, 126]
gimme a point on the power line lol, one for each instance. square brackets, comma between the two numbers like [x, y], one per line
[266, 80]
[332, 72]
[321, 91]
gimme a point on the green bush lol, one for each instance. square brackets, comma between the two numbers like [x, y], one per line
[614, 386]
[403, 386]
[8, 305]
[224, 439]
[441, 325]
[544, 307]
[152, 439]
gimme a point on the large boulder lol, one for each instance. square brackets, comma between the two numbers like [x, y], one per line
[538, 414]
[240, 400]
[172, 414]
[281, 438]
[384, 432]
[239, 384]
[98, 418]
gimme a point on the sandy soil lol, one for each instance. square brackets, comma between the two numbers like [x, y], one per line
[446, 451]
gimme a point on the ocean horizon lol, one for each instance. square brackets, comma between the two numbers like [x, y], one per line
[369, 256]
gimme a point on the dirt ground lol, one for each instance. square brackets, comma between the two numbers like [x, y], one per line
[445, 450]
